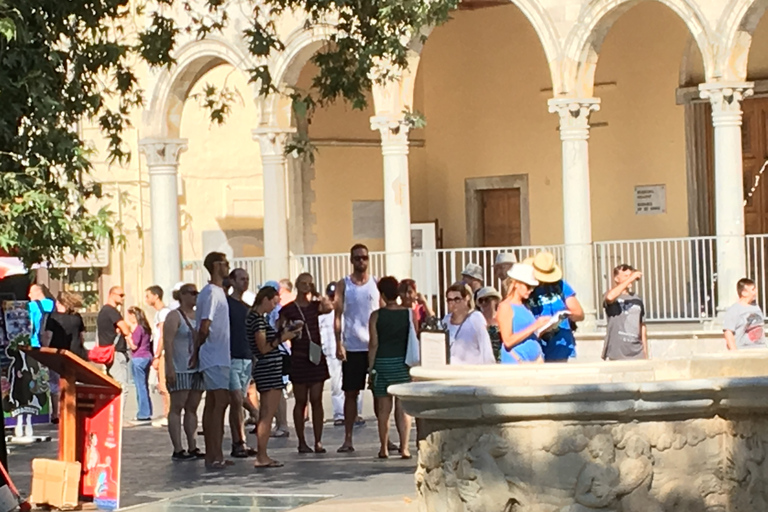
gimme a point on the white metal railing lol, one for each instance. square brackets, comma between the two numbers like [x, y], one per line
[328, 268]
[757, 266]
[193, 271]
[678, 281]
[679, 274]
[434, 271]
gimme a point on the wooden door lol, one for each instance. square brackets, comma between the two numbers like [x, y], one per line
[501, 217]
[754, 138]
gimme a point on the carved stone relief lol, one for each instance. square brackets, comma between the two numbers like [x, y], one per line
[701, 465]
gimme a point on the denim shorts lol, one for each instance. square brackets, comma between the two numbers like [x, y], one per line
[216, 377]
[240, 375]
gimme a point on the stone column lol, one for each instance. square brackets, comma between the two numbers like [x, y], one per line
[577, 214]
[397, 203]
[272, 142]
[163, 165]
[726, 98]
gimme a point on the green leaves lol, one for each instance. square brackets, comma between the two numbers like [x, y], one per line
[63, 62]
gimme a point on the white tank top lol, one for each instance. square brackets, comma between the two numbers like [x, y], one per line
[359, 302]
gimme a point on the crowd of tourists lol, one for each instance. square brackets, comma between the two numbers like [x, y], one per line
[248, 352]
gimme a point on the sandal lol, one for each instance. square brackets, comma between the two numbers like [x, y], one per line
[320, 449]
[218, 464]
[305, 449]
[271, 464]
[197, 453]
[346, 449]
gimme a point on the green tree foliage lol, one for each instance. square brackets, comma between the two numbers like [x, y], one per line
[63, 62]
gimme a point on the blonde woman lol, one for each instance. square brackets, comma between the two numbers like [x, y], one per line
[517, 325]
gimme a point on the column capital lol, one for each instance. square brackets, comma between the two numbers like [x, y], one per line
[574, 116]
[272, 141]
[726, 98]
[394, 133]
[162, 154]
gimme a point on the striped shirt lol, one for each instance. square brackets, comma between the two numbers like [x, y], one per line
[268, 368]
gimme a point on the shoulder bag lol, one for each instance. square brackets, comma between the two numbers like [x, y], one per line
[315, 350]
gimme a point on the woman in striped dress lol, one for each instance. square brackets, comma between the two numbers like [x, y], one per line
[268, 368]
[389, 328]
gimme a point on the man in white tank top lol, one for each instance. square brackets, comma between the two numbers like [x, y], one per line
[357, 296]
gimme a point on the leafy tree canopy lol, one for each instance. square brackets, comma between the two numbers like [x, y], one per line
[63, 62]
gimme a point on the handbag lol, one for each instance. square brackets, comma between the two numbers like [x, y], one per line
[315, 350]
[412, 352]
[104, 354]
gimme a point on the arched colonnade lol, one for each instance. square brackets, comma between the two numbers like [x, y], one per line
[571, 36]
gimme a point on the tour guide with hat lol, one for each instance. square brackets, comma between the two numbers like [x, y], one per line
[552, 296]
[516, 322]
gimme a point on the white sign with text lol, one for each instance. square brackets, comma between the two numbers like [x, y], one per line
[650, 199]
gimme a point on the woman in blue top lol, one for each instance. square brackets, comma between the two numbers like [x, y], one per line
[516, 322]
[552, 296]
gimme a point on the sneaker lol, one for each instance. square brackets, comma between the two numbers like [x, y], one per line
[138, 422]
[182, 455]
[279, 432]
[162, 422]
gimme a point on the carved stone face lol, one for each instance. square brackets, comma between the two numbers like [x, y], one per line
[601, 449]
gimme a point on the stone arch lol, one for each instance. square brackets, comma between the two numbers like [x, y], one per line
[738, 24]
[286, 67]
[583, 44]
[162, 117]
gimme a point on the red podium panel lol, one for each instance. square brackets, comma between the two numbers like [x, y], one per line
[90, 423]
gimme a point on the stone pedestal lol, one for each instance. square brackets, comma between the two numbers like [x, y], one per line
[651, 436]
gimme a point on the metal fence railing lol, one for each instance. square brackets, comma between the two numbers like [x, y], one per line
[678, 281]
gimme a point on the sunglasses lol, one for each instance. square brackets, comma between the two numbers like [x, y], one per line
[360, 258]
[193, 293]
[453, 299]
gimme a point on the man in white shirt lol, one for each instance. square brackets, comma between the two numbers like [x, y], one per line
[211, 356]
[153, 297]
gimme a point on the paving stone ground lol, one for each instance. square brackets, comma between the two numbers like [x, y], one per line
[149, 474]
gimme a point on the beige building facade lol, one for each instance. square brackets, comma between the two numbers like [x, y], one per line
[549, 123]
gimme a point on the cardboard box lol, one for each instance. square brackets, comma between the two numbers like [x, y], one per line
[55, 483]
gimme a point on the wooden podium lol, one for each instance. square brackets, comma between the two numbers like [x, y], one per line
[90, 423]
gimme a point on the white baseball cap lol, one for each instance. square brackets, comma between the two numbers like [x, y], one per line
[524, 273]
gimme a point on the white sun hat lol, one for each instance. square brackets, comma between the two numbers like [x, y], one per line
[524, 273]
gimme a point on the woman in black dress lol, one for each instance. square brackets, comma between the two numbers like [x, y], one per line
[309, 369]
[268, 367]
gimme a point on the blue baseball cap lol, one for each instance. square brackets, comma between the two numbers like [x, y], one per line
[272, 284]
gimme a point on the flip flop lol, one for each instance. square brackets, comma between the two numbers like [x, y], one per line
[320, 450]
[346, 449]
[273, 464]
[409, 456]
[306, 449]
[382, 456]
[216, 465]
[228, 462]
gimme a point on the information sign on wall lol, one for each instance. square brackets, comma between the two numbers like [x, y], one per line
[650, 199]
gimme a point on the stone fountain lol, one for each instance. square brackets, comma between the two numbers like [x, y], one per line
[647, 436]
